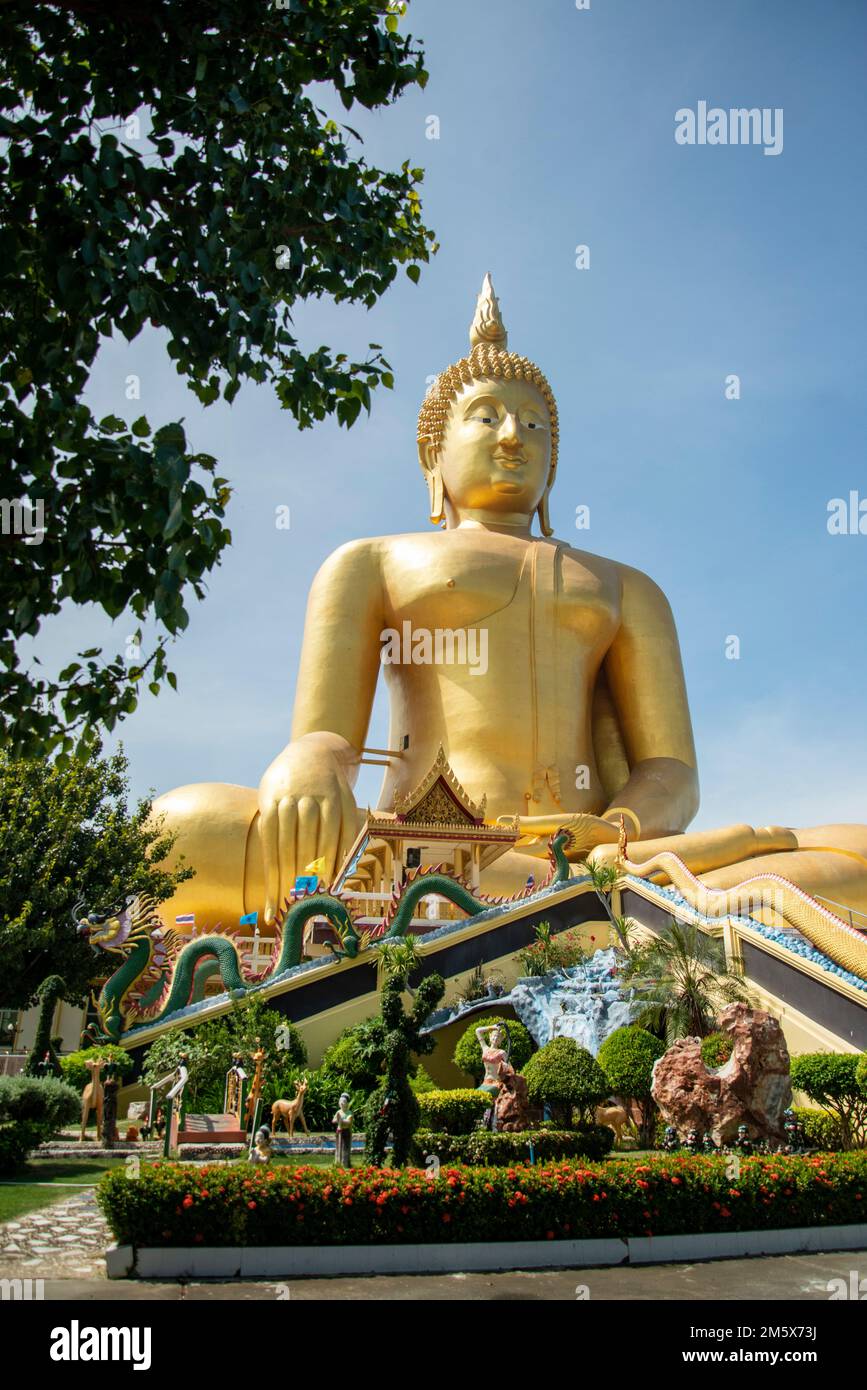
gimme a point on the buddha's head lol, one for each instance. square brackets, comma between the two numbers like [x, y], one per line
[488, 431]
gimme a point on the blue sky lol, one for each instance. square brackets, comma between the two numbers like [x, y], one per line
[557, 129]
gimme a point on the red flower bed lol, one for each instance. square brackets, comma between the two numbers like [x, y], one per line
[176, 1204]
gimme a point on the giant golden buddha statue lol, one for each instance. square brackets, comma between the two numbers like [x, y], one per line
[578, 712]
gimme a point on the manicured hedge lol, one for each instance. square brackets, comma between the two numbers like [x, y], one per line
[31, 1110]
[216, 1205]
[455, 1112]
[822, 1130]
[588, 1141]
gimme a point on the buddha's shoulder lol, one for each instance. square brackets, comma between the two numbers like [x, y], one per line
[632, 582]
[371, 554]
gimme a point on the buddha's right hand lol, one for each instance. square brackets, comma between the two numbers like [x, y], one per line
[306, 812]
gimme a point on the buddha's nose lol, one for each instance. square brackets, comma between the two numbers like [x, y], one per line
[509, 430]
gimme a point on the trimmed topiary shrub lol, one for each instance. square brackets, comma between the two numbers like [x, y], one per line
[453, 1112]
[75, 1072]
[566, 1076]
[627, 1057]
[485, 1147]
[829, 1079]
[716, 1049]
[861, 1075]
[468, 1053]
[31, 1110]
[43, 1052]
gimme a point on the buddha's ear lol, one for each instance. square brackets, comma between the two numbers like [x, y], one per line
[542, 512]
[427, 457]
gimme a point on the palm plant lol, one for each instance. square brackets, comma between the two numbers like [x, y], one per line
[398, 957]
[605, 878]
[680, 982]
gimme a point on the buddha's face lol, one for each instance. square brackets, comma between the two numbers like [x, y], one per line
[496, 453]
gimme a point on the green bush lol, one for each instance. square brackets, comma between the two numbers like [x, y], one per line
[241, 1205]
[357, 1056]
[822, 1130]
[455, 1112]
[468, 1053]
[829, 1079]
[31, 1110]
[716, 1049]
[566, 1077]
[495, 1149]
[421, 1083]
[861, 1074]
[75, 1071]
[627, 1057]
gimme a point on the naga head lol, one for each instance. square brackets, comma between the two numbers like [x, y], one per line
[110, 929]
[562, 840]
[123, 925]
[349, 939]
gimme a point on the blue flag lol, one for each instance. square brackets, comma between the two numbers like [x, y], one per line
[250, 920]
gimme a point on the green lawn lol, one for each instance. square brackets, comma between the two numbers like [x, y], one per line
[39, 1184]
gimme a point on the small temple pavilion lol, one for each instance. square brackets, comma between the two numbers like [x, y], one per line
[437, 823]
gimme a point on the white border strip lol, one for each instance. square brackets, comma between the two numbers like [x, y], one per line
[287, 1261]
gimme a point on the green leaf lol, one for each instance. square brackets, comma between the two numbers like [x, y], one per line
[140, 427]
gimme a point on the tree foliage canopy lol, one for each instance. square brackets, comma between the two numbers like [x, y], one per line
[67, 835]
[167, 164]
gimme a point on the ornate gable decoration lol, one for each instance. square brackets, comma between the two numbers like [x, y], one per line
[439, 799]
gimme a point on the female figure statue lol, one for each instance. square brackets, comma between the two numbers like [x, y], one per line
[342, 1122]
[496, 1048]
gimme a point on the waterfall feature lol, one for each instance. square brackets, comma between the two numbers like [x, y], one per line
[584, 1002]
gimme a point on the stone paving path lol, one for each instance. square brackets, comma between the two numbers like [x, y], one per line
[66, 1240]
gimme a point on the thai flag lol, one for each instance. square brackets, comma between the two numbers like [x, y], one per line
[187, 920]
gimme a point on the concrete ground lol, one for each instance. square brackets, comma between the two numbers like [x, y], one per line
[800, 1278]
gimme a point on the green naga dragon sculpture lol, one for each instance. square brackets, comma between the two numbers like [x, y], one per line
[161, 974]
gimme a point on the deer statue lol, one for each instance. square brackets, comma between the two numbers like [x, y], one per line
[92, 1096]
[290, 1111]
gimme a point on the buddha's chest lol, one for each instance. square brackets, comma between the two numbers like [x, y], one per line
[535, 590]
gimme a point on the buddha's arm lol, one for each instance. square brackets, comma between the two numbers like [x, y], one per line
[645, 676]
[307, 810]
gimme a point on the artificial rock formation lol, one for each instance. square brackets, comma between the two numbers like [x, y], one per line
[512, 1106]
[752, 1088]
